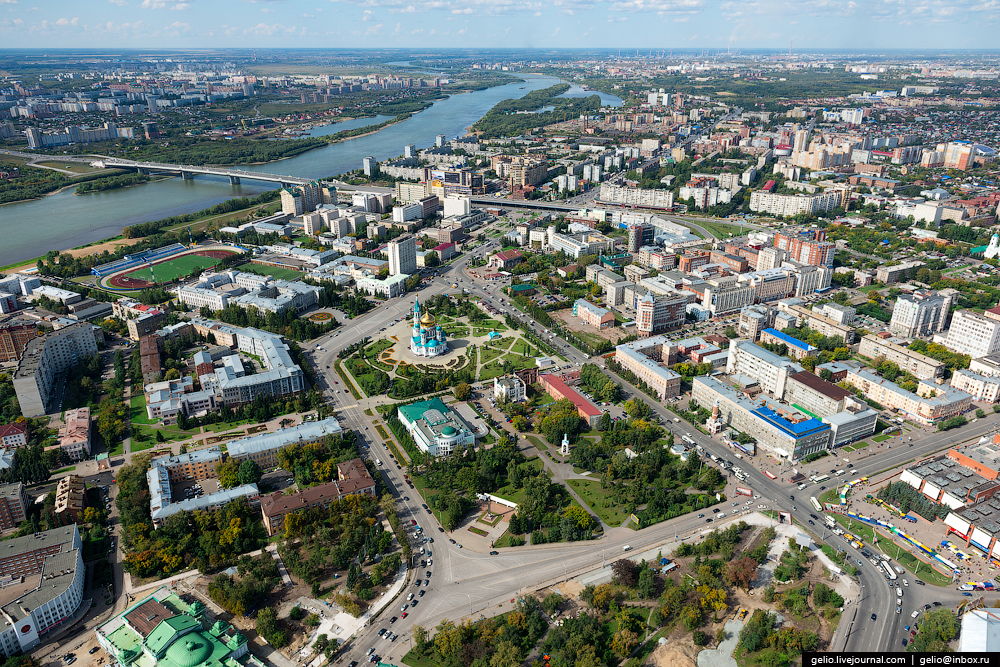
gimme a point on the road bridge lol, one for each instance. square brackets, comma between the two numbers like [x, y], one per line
[189, 171]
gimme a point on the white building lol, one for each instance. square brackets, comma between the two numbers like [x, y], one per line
[789, 205]
[403, 255]
[509, 388]
[973, 334]
[920, 314]
[768, 369]
[457, 205]
[434, 428]
[981, 387]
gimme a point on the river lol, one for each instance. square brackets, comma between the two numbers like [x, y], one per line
[65, 220]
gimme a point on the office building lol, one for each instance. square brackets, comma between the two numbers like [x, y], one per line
[727, 295]
[922, 313]
[796, 349]
[973, 334]
[821, 323]
[659, 313]
[649, 360]
[556, 387]
[919, 365]
[145, 324]
[595, 316]
[45, 575]
[777, 428]
[45, 361]
[263, 447]
[843, 315]
[403, 255]
[436, 429]
[509, 389]
[353, 479]
[769, 370]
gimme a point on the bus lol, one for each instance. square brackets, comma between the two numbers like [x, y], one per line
[815, 504]
[687, 438]
[819, 479]
[770, 474]
[889, 572]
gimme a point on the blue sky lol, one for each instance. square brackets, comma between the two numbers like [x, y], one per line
[629, 24]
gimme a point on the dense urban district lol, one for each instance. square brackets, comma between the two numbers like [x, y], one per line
[681, 359]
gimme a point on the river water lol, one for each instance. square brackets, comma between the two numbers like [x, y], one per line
[65, 220]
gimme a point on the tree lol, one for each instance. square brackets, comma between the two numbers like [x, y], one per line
[249, 472]
[699, 638]
[937, 629]
[228, 473]
[159, 435]
[730, 332]
[623, 642]
[463, 391]
[172, 374]
[741, 572]
[626, 572]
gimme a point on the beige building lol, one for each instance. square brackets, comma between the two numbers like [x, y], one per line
[920, 365]
[823, 324]
[353, 478]
[70, 500]
[648, 360]
[932, 403]
[13, 505]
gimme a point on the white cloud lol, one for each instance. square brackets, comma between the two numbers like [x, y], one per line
[373, 29]
[308, 16]
[165, 4]
[8, 2]
[120, 3]
[367, 15]
[266, 10]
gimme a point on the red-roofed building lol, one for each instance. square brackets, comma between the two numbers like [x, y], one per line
[993, 313]
[14, 435]
[445, 251]
[769, 186]
[506, 259]
[557, 389]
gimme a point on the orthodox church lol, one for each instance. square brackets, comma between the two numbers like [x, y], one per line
[427, 340]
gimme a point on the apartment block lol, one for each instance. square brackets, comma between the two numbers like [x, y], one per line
[897, 272]
[924, 409]
[146, 323]
[13, 435]
[45, 362]
[753, 320]
[14, 339]
[922, 313]
[823, 324]
[920, 365]
[981, 387]
[403, 255]
[14, 502]
[649, 360]
[70, 499]
[615, 194]
[353, 479]
[790, 205]
[808, 247]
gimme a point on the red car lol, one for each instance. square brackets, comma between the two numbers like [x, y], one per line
[405, 614]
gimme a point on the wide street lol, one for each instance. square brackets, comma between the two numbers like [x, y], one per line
[466, 584]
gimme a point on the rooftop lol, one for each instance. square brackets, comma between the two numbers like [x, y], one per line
[581, 403]
[305, 432]
[820, 385]
[790, 340]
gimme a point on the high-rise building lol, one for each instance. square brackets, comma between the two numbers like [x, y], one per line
[973, 334]
[920, 314]
[410, 151]
[46, 360]
[810, 247]
[370, 166]
[312, 223]
[659, 313]
[957, 155]
[403, 255]
[439, 141]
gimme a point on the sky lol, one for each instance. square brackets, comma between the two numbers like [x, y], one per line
[627, 24]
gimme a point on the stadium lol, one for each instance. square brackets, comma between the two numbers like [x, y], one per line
[149, 268]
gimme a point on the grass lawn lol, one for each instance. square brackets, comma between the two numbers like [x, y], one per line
[719, 229]
[537, 442]
[62, 470]
[276, 272]
[918, 567]
[142, 446]
[490, 371]
[225, 426]
[522, 347]
[599, 500]
[488, 354]
[413, 660]
[881, 438]
[174, 268]
[117, 450]
[518, 362]
[137, 413]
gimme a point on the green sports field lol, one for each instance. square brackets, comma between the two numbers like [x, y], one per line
[273, 271]
[174, 268]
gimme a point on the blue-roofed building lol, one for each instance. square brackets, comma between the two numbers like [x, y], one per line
[777, 428]
[797, 349]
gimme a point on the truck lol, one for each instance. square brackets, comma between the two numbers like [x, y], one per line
[830, 521]
[966, 587]
[889, 572]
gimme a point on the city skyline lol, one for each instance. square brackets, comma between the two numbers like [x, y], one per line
[629, 24]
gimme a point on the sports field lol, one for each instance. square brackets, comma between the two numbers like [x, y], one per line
[273, 271]
[173, 268]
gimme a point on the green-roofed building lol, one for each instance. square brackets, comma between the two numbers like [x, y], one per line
[164, 630]
[435, 428]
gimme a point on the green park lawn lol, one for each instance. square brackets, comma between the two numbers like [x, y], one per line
[273, 271]
[600, 501]
[174, 268]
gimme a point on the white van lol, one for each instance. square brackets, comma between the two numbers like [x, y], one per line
[627, 548]
[378, 462]
[853, 472]
[801, 486]
[839, 473]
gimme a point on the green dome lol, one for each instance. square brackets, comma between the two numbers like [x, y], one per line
[189, 651]
[448, 430]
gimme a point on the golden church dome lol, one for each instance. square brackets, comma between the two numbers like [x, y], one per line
[428, 320]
